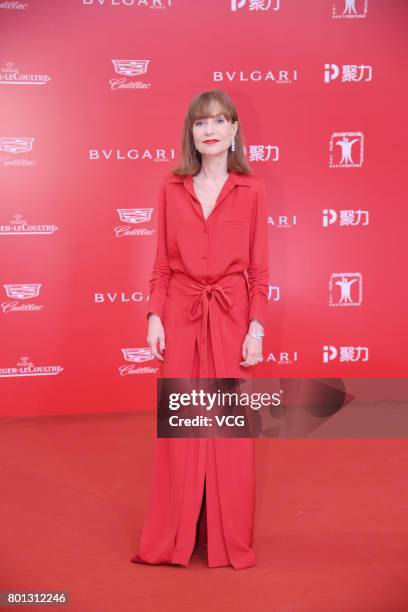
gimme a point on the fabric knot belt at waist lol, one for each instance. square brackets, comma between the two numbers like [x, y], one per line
[210, 302]
[200, 306]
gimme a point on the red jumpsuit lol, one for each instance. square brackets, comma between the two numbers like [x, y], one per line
[210, 278]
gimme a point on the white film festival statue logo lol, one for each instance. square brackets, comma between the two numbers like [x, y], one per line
[344, 217]
[346, 289]
[16, 146]
[19, 292]
[348, 73]
[349, 9]
[9, 75]
[129, 68]
[255, 5]
[344, 353]
[346, 150]
[134, 216]
[136, 356]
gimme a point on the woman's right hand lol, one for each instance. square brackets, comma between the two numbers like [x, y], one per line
[155, 334]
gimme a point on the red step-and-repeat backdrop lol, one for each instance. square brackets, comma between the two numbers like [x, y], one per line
[93, 97]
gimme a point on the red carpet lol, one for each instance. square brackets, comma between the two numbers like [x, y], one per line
[331, 531]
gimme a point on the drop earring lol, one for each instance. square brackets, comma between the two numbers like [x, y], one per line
[233, 144]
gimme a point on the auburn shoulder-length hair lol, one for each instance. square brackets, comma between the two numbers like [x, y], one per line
[199, 108]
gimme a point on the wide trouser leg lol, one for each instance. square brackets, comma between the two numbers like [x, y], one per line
[230, 497]
[175, 497]
[230, 494]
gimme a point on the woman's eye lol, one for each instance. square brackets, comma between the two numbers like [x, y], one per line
[199, 122]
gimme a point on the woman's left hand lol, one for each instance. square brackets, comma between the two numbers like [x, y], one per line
[251, 351]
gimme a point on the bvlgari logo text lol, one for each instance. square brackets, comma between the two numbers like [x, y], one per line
[143, 4]
[155, 155]
[282, 357]
[110, 297]
[282, 221]
[278, 76]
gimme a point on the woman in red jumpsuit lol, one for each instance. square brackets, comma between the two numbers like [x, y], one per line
[206, 310]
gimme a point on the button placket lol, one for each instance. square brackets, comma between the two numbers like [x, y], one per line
[205, 231]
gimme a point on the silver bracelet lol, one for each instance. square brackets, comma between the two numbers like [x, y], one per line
[256, 334]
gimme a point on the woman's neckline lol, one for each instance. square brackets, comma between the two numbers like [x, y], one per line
[217, 199]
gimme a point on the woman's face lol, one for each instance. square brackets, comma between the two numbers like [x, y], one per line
[213, 135]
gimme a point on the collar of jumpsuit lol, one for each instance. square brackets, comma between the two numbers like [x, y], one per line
[234, 178]
[209, 299]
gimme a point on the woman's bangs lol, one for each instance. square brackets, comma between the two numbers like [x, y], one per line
[202, 110]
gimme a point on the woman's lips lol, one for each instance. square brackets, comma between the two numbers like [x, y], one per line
[210, 141]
